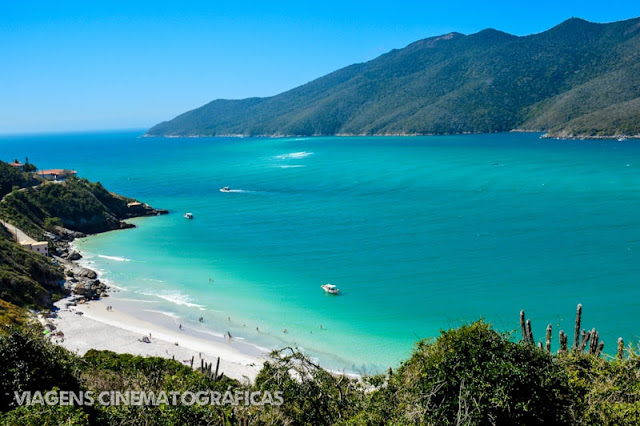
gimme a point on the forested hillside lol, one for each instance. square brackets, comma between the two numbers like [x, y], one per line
[576, 79]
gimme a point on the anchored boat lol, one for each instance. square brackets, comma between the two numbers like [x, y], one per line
[330, 288]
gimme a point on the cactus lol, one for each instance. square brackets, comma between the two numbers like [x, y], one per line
[215, 377]
[620, 348]
[548, 339]
[594, 342]
[523, 327]
[588, 341]
[576, 335]
[563, 342]
[586, 335]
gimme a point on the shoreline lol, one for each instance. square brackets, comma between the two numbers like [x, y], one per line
[128, 323]
[90, 325]
[82, 322]
[544, 135]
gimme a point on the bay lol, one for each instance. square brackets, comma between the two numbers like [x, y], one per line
[420, 234]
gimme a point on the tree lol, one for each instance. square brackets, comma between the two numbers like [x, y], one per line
[475, 375]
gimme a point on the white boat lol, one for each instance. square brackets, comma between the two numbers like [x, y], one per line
[188, 215]
[330, 288]
[225, 189]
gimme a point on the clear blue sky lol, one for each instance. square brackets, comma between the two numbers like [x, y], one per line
[92, 64]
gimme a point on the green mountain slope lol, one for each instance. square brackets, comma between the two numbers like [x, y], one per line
[28, 279]
[78, 204]
[572, 79]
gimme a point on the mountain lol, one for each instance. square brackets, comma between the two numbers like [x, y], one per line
[576, 79]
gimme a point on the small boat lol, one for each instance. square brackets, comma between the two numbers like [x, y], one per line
[330, 288]
[188, 215]
[225, 189]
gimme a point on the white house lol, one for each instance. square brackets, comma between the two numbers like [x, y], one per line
[41, 247]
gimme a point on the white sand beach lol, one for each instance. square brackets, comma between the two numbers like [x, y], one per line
[118, 331]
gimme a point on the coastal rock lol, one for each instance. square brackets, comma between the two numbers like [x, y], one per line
[67, 234]
[93, 289]
[136, 209]
[74, 255]
[85, 273]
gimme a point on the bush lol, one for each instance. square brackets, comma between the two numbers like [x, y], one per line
[29, 363]
[51, 222]
[311, 395]
[45, 415]
[476, 375]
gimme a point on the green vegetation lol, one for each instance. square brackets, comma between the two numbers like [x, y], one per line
[11, 315]
[11, 178]
[76, 204]
[578, 78]
[27, 279]
[469, 375]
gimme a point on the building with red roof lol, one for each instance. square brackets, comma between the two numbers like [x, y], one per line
[56, 174]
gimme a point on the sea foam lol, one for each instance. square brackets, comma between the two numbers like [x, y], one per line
[301, 154]
[116, 258]
[176, 297]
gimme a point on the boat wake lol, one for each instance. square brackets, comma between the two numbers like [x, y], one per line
[302, 154]
[116, 258]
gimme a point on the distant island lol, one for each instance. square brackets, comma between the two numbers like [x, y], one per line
[578, 79]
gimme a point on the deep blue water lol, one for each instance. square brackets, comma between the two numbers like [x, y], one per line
[420, 234]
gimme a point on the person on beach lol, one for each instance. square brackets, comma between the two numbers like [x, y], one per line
[284, 331]
[180, 326]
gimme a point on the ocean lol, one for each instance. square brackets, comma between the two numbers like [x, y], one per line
[420, 234]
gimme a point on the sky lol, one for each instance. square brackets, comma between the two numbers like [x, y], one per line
[99, 65]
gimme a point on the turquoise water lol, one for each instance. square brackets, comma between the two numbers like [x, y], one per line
[421, 234]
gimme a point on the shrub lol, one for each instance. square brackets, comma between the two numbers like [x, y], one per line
[29, 363]
[476, 375]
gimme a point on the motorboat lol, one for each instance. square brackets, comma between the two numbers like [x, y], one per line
[330, 288]
[188, 215]
[225, 189]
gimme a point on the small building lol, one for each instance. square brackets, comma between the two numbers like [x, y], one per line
[17, 165]
[41, 247]
[56, 174]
